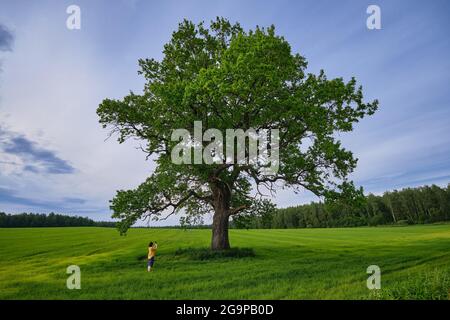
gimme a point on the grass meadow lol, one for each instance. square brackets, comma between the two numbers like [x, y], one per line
[287, 264]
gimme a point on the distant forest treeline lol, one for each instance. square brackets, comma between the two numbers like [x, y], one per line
[25, 220]
[425, 204]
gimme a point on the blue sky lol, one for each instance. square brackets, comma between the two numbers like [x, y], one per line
[53, 153]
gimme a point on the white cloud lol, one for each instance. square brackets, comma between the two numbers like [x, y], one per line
[50, 90]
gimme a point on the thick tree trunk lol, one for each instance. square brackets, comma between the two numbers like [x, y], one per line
[219, 239]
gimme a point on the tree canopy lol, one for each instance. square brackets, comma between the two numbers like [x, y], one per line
[229, 78]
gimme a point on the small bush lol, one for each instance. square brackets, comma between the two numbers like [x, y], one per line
[208, 254]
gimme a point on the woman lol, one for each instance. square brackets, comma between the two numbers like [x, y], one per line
[151, 255]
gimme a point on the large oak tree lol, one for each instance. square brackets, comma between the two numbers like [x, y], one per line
[230, 78]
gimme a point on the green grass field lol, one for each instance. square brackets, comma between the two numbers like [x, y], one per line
[289, 264]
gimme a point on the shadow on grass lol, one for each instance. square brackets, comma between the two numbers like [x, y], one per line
[208, 254]
[142, 257]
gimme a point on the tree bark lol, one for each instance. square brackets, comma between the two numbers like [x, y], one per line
[219, 240]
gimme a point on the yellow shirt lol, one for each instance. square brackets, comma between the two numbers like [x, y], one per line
[151, 252]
